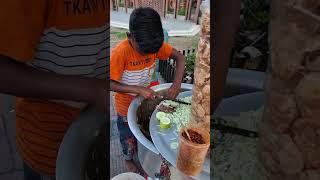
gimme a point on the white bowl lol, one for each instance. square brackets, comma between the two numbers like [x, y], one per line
[128, 176]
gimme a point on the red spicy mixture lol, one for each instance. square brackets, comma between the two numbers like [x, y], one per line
[194, 137]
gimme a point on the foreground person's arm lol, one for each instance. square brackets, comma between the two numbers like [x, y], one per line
[21, 80]
[226, 16]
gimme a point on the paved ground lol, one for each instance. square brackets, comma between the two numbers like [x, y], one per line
[175, 27]
[116, 160]
[179, 43]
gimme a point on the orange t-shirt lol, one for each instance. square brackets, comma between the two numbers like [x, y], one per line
[129, 67]
[69, 37]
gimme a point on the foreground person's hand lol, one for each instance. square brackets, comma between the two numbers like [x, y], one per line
[174, 91]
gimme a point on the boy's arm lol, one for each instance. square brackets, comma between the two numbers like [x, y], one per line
[176, 86]
[21, 80]
[226, 22]
[117, 66]
[142, 91]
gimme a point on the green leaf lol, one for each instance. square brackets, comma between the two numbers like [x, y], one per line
[190, 60]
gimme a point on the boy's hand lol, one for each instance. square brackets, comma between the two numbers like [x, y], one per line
[147, 93]
[176, 86]
[174, 90]
[141, 91]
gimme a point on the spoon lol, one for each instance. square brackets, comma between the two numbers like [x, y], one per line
[184, 129]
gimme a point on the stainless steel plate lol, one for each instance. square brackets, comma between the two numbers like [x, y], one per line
[132, 114]
[232, 106]
[163, 138]
[76, 143]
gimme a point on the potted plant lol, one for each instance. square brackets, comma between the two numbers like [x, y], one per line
[190, 59]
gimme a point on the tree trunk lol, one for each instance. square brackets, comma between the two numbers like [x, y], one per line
[289, 147]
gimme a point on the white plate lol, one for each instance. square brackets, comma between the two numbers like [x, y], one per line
[128, 176]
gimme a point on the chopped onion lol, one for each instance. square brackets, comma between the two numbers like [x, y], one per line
[174, 145]
[182, 115]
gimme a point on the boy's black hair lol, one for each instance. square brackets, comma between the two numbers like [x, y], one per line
[146, 28]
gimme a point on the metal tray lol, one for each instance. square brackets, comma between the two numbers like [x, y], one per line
[76, 143]
[132, 114]
[163, 138]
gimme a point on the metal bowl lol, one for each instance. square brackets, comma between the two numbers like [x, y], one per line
[234, 105]
[76, 143]
[242, 81]
[132, 114]
[148, 155]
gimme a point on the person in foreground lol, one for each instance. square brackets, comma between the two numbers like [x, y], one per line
[132, 63]
[55, 58]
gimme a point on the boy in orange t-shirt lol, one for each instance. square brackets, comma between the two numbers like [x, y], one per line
[132, 63]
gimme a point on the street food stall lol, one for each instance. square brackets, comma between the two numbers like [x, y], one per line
[163, 127]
